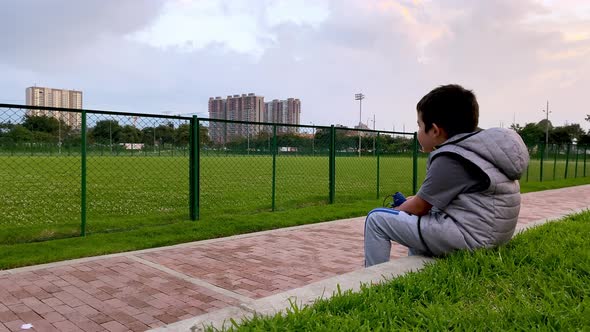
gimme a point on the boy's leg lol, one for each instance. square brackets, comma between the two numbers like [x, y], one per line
[384, 225]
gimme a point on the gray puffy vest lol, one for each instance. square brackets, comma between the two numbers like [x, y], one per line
[486, 218]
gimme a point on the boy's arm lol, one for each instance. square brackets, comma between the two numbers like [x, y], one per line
[415, 205]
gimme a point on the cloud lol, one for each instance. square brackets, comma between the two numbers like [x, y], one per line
[173, 55]
[48, 35]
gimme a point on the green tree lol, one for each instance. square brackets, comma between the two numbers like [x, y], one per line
[19, 133]
[148, 136]
[5, 128]
[560, 135]
[45, 124]
[204, 135]
[532, 134]
[584, 140]
[573, 130]
[183, 134]
[165, 133]
[130, 134]
[106, 132]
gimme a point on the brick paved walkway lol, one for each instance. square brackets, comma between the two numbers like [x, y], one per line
[146, 289]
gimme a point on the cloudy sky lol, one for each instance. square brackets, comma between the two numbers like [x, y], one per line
[169, 57]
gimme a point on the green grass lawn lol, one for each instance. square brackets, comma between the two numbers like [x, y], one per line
[539, 281]
[41, 195]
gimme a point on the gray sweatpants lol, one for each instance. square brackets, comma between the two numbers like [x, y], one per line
[384, 225]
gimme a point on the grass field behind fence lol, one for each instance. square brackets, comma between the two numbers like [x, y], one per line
[41, 195]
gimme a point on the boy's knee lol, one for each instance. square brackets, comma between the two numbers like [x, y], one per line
[375, 218]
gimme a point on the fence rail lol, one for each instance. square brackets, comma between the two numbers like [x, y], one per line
[73, 172]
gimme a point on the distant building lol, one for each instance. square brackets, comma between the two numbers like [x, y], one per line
[39, 96]
[245, 107]
[361, 126]
[283, 111]
[217, 130]
[252, 108]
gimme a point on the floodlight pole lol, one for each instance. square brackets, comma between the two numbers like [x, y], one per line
[59, 131]
[546, 111]
[111, 136]
[313, 140]
[360, 97]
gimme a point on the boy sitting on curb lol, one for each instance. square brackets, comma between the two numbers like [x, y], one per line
[470, 197]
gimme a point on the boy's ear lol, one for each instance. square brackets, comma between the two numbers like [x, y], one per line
[439, 131]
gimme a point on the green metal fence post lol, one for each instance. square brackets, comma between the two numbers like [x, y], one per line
[415, 165]
[567, 160]
[377, 153]
[274, 164]
[585, 161]
[83, 176]
[543, 147]
[555, 160]
[332, 163]
[577, 156]
[194, 169]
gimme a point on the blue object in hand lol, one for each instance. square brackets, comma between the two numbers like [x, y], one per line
[398, 199]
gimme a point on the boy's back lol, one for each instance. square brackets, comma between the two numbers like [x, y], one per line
[480, 213]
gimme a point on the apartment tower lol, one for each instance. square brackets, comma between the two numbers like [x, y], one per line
[39, 96]
[284, 111]
[245, 107]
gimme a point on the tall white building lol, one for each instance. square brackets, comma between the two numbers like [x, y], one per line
[283, 111]
[245, 107]
[40, 96]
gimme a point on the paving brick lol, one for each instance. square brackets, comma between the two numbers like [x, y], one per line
[100, 318]
[114, 326]
[44, 326]
[89, 326]
[66, 326]
[145, 318]
[138, 326]
[7, 316]
[29, 316]
[14, 325]
[53, 316]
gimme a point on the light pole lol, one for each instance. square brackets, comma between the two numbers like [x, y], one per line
[360, 97]
[59, 131]
[111, 136]
[313, 140]
[546, 111]
[248, 132]
[374, 135]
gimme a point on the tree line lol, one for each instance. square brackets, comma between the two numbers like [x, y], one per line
[535, 133]
[46, 129]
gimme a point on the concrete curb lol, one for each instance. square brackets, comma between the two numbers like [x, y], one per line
[302, 296]
[322, 289]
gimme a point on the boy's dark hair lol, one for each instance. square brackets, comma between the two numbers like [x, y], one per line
[451, 107]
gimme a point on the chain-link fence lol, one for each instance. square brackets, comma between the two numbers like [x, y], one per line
[250, 167]
[556, 162]
[72, 172]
